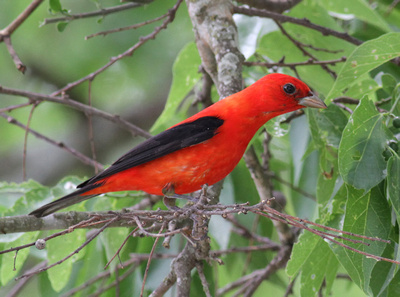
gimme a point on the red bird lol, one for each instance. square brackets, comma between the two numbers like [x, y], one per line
[202, 149]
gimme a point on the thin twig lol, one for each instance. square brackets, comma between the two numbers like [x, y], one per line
[14, 292]
[121, 246]
[278, 262]
[205, 285]
[391, 7]
[134, 262]
[289, 289]
[129, 52]
[71, 254]
[344, 107]
[132, 27]
[302, 22]
[291, 186]
[14, 56]
[140, 225]
[26, 141]
[246, 233]
[239, 282]
[13, 107]
[300, 46]
[90, 126]
[37, 97]
[273, 211]
[7, 31]
[84, 159]
[346, 100]
[101, 290]
[309, 62]
[69, 230]
[102, 12]
[146, 272]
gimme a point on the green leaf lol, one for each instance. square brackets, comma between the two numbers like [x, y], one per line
[394, 288]
[19, 199]
[365, 58]
[57, 249]
[320, 265]
[329, 125]
[185, 76]
[361, 162]
[276, 128]
[364, 86]
[302, 251]
[7, 271]
[395, 109]
[55, 5]
[388, 83]
[313, 256]
[308, 243]
[326, 185]
[326, 130]
[366, 214]
[393, 184]
[358, 8]
[383, 274]
[61, 26]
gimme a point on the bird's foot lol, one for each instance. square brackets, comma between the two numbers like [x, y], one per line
[170, 196]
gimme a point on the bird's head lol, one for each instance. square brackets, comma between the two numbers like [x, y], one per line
[281, 93]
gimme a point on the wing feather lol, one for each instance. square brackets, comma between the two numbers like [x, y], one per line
[169, 141]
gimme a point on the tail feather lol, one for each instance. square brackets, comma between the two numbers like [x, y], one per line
[68, 200]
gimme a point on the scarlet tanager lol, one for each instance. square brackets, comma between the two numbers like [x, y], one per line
[202, 149]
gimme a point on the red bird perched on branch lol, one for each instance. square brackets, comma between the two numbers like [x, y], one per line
[202, 149]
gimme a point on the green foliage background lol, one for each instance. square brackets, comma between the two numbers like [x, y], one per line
[348, 162]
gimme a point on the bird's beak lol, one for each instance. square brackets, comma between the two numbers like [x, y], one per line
[312, 101]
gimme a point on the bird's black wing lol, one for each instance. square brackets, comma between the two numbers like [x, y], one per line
[166, 142]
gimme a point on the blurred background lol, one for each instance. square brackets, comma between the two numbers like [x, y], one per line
[135, 87]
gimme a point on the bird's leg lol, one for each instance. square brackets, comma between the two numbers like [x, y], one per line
[169, 192]
[170, 203]
[170, 196]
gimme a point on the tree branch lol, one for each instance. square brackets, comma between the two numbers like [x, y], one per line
[217, 42]
[5, 34]
[14, 56]
[7, 31]
[302, 22]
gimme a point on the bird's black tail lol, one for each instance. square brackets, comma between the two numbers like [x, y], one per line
[68, 200]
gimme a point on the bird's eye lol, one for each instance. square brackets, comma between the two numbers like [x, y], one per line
[289, 89]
